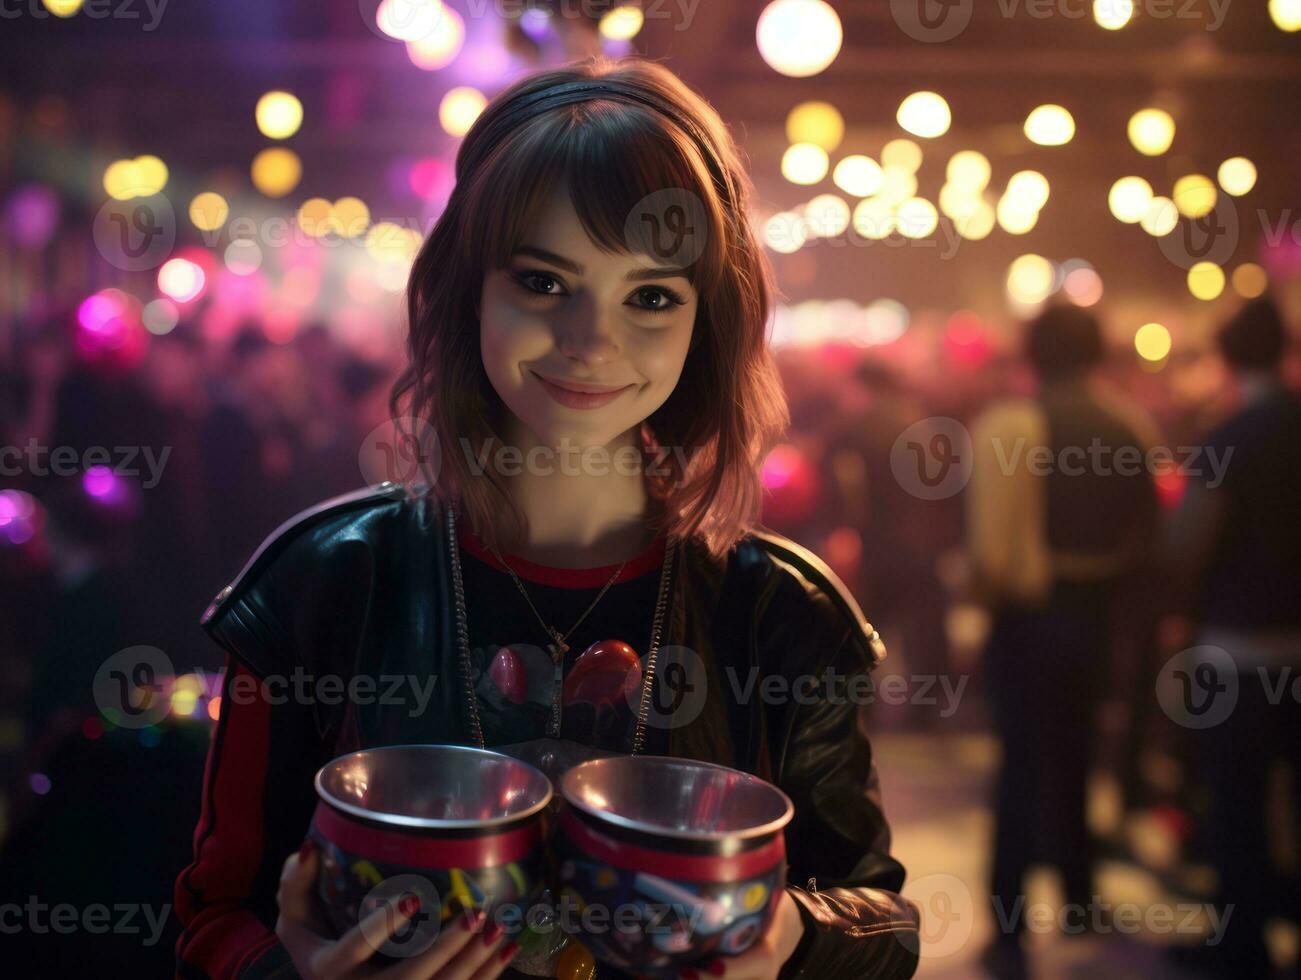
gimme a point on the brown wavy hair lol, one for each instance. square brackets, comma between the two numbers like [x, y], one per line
[611, 132]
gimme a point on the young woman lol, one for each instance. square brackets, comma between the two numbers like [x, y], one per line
[587, 357]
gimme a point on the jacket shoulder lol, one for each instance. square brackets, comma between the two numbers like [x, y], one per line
[311, 529]
[816, 579]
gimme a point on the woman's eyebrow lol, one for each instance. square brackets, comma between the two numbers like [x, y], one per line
[667, 272]
[569, 265]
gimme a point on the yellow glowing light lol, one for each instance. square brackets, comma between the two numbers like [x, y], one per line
[902, 154]
[799, 38]
[388, 242]
[349, 217]
[858, 175]
[1050, 125]
[214, 708]
[440, 46]
[1151, 131]
[1249, 280]
[314, 217]
[1152, 342]
[276, 171]
[959, 202]
[1206, 280]
[917, 218]
[144, 176]
[1129, 199]
[925, 114]
[1161, 217]
[1113, 14]
[1028, 190]
[1237, 176]
[827, 215]
[805, 163]
[897, 186]
[1030, 279]
[874, 218]
[978, 224]
[63, 8]
[1195, 195]
[278, 114]
[819, 123]
[622, 23]
[785, 232]
[1286, 14]
[460, 108]
[209, 211]
[1014, 217]
[184, 702]
[969, 170]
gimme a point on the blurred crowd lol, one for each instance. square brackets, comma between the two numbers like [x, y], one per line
[136, 484]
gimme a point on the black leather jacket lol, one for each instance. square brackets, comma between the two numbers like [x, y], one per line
[361, 584]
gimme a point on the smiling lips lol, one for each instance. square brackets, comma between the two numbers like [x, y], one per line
[576, 394]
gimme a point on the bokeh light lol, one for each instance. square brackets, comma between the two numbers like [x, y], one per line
[1151, 131]
[408, 20]
[1286, 14]
[1161, 217]
[858, 175]
[819, 123]
[460, 108]
[622, 23]
[1030, 280]
[1250, 280]
[1050, 125]
[1129, 199]
[805, 163]
[144, 176]
[209, 211]
[969, 170]
[902, 154]
[925, 114]
[1195, 195]
[439, 47]
[799, 38]
[1152, 342]
[1113, 14]
[181, 279]
[916, 218]
[827, 215]
[276, 171]
[279, 115]
[1237, 175]
[1206, 280]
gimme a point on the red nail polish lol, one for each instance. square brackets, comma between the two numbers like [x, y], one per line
[305, 851]
[508, 951]
[408, 906]
[467, 920]
[716, 967]
[491, 933]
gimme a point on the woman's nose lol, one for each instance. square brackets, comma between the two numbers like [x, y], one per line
[587, 336]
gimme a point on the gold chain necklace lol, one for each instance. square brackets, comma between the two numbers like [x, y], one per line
[558, 646]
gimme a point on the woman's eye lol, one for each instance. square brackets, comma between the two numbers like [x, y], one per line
[655, 299]
[540, 283]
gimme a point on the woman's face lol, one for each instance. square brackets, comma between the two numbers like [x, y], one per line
[581, 344]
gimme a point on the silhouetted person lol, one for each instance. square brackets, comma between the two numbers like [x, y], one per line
[1061, 508]
[1236, 541]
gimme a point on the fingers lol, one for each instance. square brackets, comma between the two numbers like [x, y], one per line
[297, 876]
[359, 943]
[465, 950]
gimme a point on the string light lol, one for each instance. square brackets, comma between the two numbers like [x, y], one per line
[858, 175]
[279, 115]
[1237, 175]
[1050, 125]
[925, 114]
[1151, 131]
[819, 123]
[805, 163]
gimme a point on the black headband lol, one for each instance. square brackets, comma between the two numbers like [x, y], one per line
[573, 93]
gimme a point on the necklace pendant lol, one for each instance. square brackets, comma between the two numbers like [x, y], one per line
[557, 691]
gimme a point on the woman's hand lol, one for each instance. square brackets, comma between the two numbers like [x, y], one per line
[461, 951]
[765, 959]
